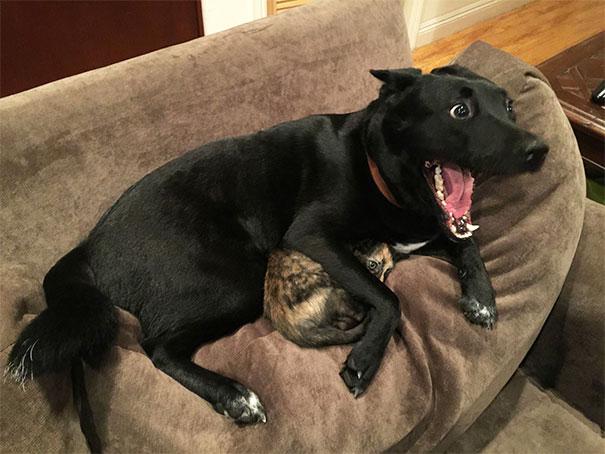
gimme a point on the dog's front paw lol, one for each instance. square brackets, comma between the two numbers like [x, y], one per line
[479, 313]
[359, 369]
[240, 404]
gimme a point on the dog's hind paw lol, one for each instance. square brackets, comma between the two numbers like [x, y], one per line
[240, 404]
[479, 313]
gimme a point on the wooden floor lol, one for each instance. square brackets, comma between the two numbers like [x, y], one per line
[534, 32]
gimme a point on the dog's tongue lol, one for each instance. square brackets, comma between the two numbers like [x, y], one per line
[459, 186]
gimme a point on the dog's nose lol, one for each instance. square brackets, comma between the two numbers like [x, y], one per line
[535, 152]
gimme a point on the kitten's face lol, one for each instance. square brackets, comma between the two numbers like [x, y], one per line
[378, 260]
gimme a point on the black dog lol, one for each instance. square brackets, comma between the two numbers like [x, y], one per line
[185, 248]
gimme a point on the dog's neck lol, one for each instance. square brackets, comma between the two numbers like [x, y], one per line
[390, 214]
[380, 183]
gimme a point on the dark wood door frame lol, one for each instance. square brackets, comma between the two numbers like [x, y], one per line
[42, 41]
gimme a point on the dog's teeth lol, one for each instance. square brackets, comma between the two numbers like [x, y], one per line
[453, 229]
[471, 227]
[463, 235]
[440, 195]
[465, 218]
[439, 183]
[427, 164]
[443, 203]
[438, 179]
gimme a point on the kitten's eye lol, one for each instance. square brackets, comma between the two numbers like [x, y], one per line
[372, 265]
[509, 105]
[460, 111]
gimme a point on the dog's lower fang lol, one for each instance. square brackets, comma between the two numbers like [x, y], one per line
[461, 227]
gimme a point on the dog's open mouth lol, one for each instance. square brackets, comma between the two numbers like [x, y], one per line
[452, 188]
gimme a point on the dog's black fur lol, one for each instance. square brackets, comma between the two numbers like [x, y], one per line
[185, 248]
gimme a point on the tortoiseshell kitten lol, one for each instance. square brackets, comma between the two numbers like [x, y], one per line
[307, 307]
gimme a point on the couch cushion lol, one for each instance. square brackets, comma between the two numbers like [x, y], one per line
[569, 354]
[526, 418]
[439, 373]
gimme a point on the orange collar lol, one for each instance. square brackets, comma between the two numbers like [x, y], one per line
[380, 183]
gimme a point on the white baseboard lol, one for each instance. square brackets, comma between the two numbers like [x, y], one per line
[459, 19]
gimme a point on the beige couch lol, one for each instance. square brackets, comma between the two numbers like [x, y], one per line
[71, 147]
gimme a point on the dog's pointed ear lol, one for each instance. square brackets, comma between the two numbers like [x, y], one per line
[456, 70]
[397, 79]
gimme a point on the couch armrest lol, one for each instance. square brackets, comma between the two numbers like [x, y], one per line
[569, 352]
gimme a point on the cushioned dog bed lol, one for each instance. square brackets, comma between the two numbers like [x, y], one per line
[71, 147]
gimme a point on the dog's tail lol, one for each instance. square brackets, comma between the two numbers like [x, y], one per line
[79, 324]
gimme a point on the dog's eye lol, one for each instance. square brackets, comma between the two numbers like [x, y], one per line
[509, 105]
[460, 111]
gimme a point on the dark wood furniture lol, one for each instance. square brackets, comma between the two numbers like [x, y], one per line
[42, 41]
[574, 74]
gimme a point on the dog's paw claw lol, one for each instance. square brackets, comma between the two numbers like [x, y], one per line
[352, 379]
[351, 376]
[241, 405]
[479, 313]
[356, 377]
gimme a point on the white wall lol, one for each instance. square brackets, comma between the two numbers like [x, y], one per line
[220, 15]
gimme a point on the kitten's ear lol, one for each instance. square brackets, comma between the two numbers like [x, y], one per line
[365, 247]
[397, 79]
